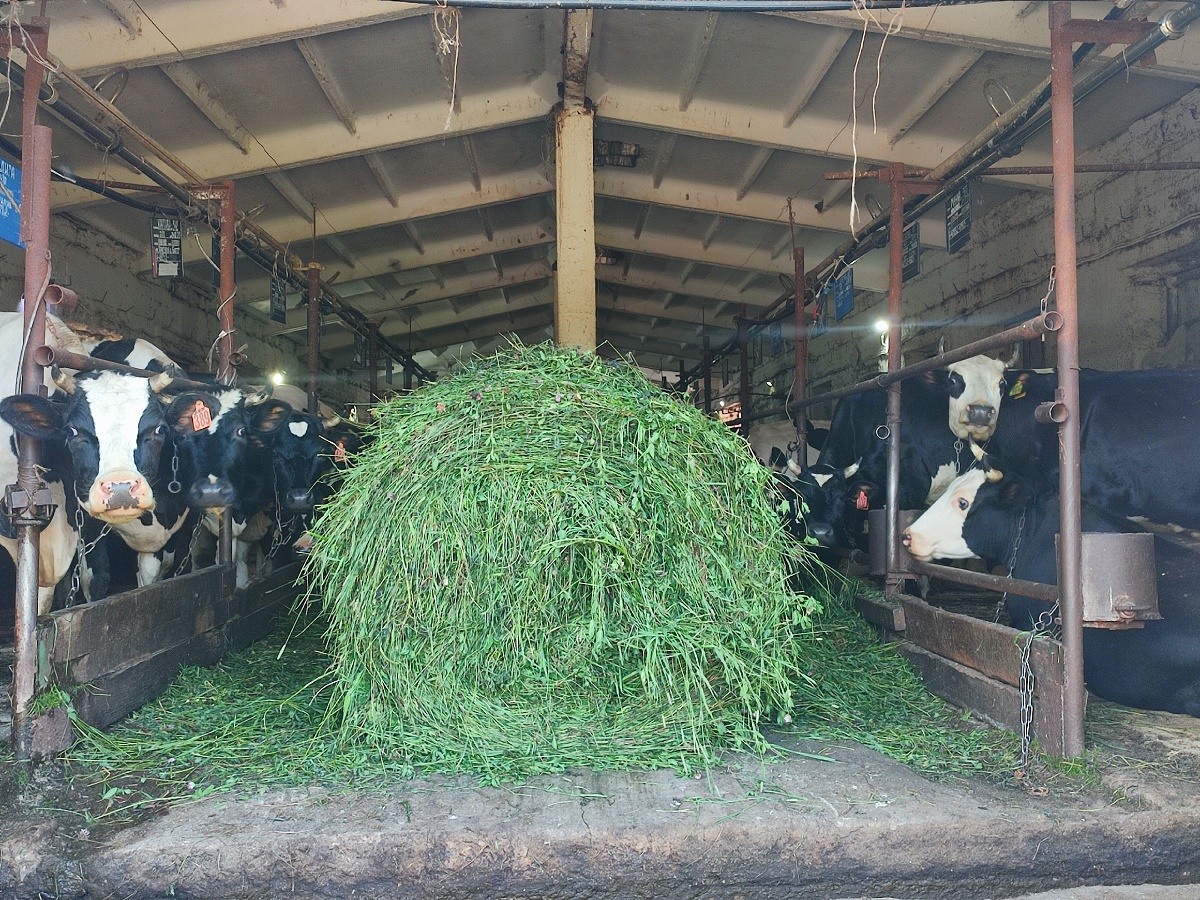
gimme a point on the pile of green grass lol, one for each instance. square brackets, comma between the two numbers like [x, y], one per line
[545, 562]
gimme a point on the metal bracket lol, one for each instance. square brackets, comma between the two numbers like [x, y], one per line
[23, 508]
[1121, 31]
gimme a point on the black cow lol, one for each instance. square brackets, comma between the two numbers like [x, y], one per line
[229, 440]
[1154, 667]
[1136, 430]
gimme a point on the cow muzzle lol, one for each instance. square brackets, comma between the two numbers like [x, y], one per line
[821, 532]
[980, 414]
[216, 493]
[120, 497]
[298, 501]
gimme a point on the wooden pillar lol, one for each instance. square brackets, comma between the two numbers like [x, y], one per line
[575, 280]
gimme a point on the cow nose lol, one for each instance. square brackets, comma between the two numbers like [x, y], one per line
[211, 494]
[122, 494]
[980, 414]
[298, 501]
[821, 532]
[906, 540]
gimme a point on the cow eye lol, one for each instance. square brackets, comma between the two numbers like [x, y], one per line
[241, 432]
[1003, 383]
[963, 503]
[160, 429]
[72, 431]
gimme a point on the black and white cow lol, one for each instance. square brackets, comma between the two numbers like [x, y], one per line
[1136, 429]
[59, 539]
[939, 412]
[229, 440]
[982, 514]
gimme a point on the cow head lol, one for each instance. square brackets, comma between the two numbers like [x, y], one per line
[113, 426]
[300, 461]
[975, 386]
[940, 531]
[229, 438]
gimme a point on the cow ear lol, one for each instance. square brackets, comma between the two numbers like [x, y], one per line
[1016, 494]
[268, 417]
[181, 413]
[34, 416]
[935, 377]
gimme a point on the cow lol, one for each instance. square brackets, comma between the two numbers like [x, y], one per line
[1134, 429]
[228, 439]
[124, 459]
[59, 538]
[1010, 521]
[939, 411]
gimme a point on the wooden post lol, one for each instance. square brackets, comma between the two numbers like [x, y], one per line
[575, 279]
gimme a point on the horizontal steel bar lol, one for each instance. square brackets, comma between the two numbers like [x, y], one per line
[1045, 323]
[1034, 589]
[49, 356]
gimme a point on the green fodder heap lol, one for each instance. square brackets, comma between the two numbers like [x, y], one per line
[545, 561]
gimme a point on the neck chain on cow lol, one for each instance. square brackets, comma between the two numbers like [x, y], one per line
[173, 486]
[1044, 625]
[958, 446]
[1012, 564]
[82, 550]
[187, 556]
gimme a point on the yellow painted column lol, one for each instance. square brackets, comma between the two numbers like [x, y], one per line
[575, 209]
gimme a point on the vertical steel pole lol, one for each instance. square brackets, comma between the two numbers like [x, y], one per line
[895, 279]
[743, 326]
[36, 144]
[707, 375]
[225, 369]
[800, 383]
[1070, 544]
[314, 334]
[373, 360]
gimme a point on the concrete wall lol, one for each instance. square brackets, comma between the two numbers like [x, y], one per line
[1139, 268]
[178, 314]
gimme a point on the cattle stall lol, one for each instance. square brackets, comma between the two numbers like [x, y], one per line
[1038, 691]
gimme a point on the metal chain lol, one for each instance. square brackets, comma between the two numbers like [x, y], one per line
[1012, 564]
[1043, 626]
[82, 550]
[958, 446]
[187, 557]
[173, 486]
[1049, 290]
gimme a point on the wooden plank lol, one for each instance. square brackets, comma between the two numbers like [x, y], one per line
[884, 613]
[1049, 709]
[990, 648]
[993, 701]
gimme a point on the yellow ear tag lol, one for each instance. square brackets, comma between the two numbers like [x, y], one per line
[201, 416]
[1017, 391]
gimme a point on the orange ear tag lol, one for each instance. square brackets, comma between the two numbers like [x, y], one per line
[201, 416]
[339, 452]
[861, 502]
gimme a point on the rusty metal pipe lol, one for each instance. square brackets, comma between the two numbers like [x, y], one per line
[800, 382]
[226, 373]
[373, 360]
[36, 145]
[895, 279]
[707, 367]
[1034, 589]
[51, 356]
[314, 335]
[1046, 323]
[1070, 546]
[743, 326]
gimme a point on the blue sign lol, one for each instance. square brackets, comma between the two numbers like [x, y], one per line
[10, 214]
[843, 295]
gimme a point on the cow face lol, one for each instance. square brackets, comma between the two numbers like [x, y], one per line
[938, 532]
[228, 438]
[300, 462]
[113, 426]
[975, 386]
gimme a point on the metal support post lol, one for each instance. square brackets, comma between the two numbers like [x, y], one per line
[895, 278]
[707, 366]
[1070, 545]
[30, 500]
[800, 382]
[373, 360]
[743, 327]
[314, 334]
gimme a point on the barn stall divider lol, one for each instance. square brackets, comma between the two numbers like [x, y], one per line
[117, 654]
[1030, 684]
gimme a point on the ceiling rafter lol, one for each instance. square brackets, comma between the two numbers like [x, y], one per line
[410, 229]
[468, 144]
[936, 85]
[691, 80]
[757, 163]
[813, 72]
[292, 194]
[711, 233]
[383, 178]
[205, 99]
[577, 45]
[485, 219]
[128, 13]
[666, 150]
[322, 70]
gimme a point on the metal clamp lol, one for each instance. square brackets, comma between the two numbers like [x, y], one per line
[24, 508]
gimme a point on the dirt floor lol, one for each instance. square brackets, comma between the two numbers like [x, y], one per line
[848, 824]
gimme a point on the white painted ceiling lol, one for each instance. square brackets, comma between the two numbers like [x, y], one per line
[424, 138]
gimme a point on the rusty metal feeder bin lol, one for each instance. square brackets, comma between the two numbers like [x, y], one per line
[1119, 585]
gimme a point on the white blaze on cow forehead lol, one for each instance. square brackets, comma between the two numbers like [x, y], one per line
[981, 377]
[116, 403]
[938, 533]
[228, 400]
[299, 429]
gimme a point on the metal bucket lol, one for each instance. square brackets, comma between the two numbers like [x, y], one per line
[1119, 580]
